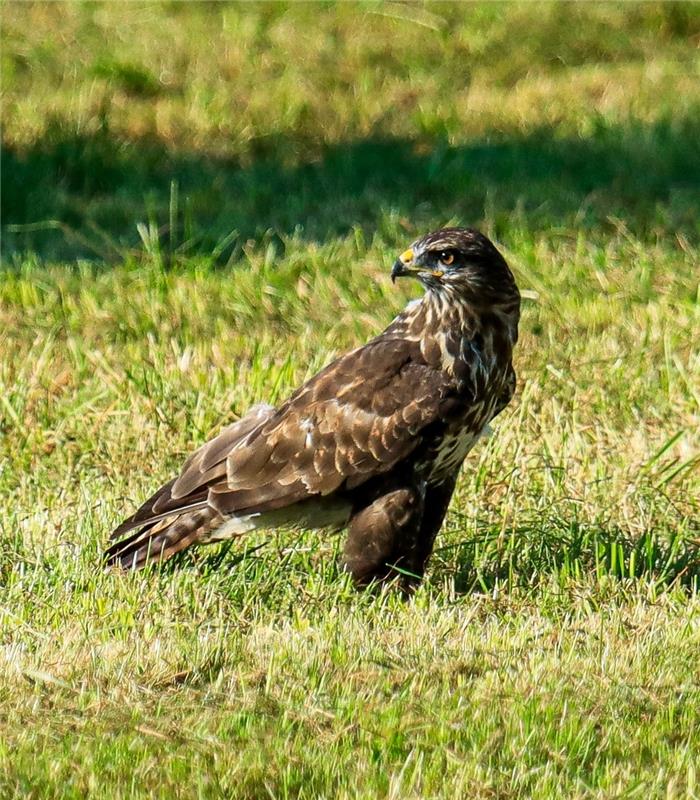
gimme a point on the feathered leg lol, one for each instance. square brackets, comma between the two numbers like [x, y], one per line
[437, 501]
[382, 538]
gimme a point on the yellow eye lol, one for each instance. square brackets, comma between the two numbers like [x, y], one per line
[447, 258]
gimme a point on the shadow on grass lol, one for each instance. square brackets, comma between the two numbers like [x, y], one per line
[571, 550]
[77, 194]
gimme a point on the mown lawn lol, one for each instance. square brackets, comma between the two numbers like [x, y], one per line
[200, 206]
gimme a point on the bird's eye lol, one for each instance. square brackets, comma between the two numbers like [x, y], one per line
[447, 258]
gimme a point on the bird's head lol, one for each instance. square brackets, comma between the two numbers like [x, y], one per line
[458, 261]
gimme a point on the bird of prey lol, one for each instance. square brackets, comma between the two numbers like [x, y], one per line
[373, 442]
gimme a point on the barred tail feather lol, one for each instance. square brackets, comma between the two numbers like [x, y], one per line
[162, 539]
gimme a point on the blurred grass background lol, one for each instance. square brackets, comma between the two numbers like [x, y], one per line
[201, 203]
[221, 122]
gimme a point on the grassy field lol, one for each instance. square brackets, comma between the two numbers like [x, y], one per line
[200, 206]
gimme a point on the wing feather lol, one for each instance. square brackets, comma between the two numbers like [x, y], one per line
[190, 490]
[357, 418]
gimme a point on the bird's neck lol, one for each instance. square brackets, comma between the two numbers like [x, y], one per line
[445, 325]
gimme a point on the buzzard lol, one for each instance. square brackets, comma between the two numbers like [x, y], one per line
[373, 442]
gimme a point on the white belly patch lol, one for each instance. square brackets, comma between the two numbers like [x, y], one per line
[453, 450]
[309, 514]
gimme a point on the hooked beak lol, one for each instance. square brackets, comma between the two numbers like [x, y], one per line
[404, 265]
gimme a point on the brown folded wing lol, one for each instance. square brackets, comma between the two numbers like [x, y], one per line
[357, 418]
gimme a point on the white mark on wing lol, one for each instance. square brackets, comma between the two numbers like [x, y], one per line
[307, 426]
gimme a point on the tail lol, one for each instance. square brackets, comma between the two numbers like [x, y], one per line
[162, 538]
[178, 514]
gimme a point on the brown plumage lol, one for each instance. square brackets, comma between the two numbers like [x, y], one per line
[373, 442]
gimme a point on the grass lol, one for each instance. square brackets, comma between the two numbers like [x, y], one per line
[200, 207]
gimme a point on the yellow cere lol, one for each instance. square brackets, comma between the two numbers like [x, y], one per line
[407, 256]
